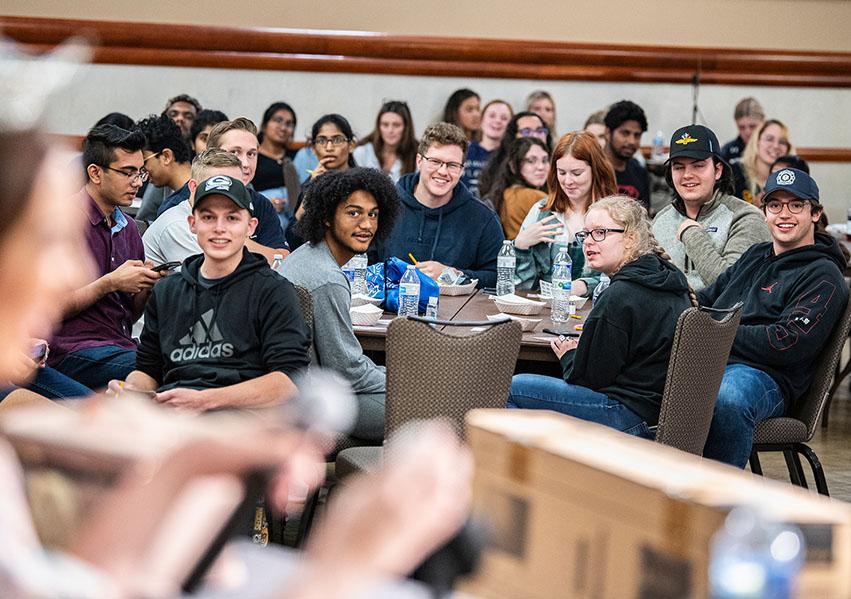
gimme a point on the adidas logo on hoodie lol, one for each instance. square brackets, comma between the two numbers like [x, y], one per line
[202, 341]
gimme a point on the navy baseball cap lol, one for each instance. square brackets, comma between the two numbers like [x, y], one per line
[694, 141]
[796, 182]
[222, 185]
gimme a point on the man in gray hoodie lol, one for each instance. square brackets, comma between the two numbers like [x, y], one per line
[705, 229]
[348, 209]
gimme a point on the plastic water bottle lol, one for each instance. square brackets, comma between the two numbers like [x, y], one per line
[349, 270]
[359, 262]
[658, 153]
[431, 309]
[505, 264]
[278, 263]
[754, 557]
[562, 286]
[409, 292]
[600, 288]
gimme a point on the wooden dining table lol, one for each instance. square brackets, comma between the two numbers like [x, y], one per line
[534, 346]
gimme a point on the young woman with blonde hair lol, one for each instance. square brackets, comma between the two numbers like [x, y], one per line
[579, 175]
[767, 144]
[614, 374]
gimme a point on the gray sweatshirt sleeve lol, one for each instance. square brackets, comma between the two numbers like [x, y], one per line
[748, 229]
[335, 340]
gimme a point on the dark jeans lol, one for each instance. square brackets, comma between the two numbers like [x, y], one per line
[539, 392]
[96, 366]
[52, 384]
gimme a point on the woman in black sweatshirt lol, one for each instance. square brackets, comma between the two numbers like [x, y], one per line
[615, 373]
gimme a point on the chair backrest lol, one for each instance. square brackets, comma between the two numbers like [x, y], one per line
[810, 407]
[305, 302]
[432, 374]
[699, 353]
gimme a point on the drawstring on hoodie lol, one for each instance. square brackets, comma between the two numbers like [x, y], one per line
[437, 232]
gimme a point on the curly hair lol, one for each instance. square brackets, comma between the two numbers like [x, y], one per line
[161, 133]
[623, 111]
[443, 134]
[325, 193]
[632, 217]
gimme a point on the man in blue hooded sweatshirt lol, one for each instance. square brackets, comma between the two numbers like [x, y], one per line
[441, 223]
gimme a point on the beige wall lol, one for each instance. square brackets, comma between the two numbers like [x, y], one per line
[791, 24]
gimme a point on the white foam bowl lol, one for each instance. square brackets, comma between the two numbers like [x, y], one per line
[578, 301]
[465, 289]
[361, 300]
[513, 304]
[526, 324]
[366, 315]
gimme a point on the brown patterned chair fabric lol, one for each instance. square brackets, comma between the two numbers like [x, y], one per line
[305, 302]
[791, 433]
[699, 353]
[433, 374]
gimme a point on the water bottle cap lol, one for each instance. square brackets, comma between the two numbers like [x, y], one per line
[277, 257]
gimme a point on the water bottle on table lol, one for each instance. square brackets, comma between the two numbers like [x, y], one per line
[359, 262]
[278, 263]
[562, 286]
[600, 288]
[505, 264]
[431, 310]
[409, 292]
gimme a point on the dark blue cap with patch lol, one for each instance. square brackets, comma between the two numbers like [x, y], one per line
[796, 182]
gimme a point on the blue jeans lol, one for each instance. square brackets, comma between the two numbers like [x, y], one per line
[52, 384]
[538, 392]
[747, 396]
[94, 367]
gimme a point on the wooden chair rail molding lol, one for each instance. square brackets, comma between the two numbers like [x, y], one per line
[366, 52]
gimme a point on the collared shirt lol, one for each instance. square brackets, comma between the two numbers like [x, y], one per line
[109, 321]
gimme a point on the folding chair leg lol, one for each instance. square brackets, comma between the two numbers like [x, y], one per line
[796, 471]
[815, 464]
[756, 468]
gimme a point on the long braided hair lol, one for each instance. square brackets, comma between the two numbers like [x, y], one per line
[632, 217]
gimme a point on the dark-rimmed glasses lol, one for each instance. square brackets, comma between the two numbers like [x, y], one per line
[434, 163]
[794, 206]
[595, 234]
[337, 140]
[140, 175]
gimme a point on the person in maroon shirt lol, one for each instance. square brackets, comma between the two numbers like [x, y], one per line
[94, 344]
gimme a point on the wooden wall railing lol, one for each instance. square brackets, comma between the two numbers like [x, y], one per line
[353, 52]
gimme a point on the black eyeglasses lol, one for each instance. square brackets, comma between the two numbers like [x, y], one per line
[595, 234]
[776, 206]
[336, 140]
[140, 175]
[435, 164]
[529, 132]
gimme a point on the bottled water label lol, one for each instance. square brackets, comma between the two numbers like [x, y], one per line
[506, 262]
[409, 289]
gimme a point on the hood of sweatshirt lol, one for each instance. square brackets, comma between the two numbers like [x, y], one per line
[825, 246]
[191, 270]
[654, 273]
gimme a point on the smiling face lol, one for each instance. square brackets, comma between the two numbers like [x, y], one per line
[332, 148]
[574, 177]
[695, 179]
[771, 145]
[391, 126]
[605, 256]
[495, 120]
[535, 166]
[221, 228]
[279, 129]
[791, 231]
[437, 182]
[43, 257]
[243, 144]
[354, 226]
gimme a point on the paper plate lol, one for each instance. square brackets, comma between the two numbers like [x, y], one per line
[465, 289]
[366, 315]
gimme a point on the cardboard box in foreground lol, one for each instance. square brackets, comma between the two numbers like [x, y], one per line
[580, 510]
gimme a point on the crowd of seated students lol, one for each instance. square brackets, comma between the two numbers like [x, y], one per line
[480, 176]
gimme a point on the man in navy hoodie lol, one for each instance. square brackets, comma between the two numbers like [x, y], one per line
[441, 223]
[794, 294]
[227, 331]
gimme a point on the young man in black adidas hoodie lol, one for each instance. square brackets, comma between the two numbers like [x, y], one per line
[227, 331]
[794, 294]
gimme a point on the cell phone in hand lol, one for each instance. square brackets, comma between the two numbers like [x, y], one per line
[39, 352]
[562, 333]
[166, 266]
